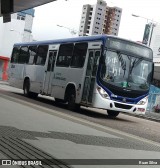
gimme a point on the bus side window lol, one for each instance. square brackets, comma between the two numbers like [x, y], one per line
[24, 55]
[79, 55]
[41, 54]
[15, 55]
[65, 55]
[32, 53]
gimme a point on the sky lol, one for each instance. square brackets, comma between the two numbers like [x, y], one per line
[68, 14]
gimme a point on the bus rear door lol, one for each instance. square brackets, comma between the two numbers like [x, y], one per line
[49, 72]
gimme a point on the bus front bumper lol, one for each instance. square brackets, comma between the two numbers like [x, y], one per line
[102, 103]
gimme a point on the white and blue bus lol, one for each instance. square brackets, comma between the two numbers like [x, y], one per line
[103, 72]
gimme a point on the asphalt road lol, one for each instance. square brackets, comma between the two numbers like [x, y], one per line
[42, 129]
[149, 130]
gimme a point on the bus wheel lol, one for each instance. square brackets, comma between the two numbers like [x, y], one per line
[26, 88]
[59, 100]
[26, 91]
[33, 95]
[112, 114]
[71, 99]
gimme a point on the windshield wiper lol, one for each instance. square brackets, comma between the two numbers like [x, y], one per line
[123, 63]
[134, 64]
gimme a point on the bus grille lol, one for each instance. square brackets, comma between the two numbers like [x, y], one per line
[123, 106]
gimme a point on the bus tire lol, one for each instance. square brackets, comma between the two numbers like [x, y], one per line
[112, 114]
[59, 100]
[26, 89]
[33, 95]
[71, 99]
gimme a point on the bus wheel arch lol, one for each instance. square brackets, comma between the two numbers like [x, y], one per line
[26, 89]
[70, 97]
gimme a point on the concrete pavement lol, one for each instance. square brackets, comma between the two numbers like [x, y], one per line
[34, 130]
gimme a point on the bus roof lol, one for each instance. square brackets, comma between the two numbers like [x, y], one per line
[75, 39]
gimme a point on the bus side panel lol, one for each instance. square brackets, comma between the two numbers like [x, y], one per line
[63, 76]
[16, 73]
[36, 76]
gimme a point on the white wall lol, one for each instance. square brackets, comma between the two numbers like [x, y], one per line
[155, 43]
[10, 33]
[13, 32]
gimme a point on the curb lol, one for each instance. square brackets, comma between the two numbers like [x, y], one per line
[4, 83]
[152, 118]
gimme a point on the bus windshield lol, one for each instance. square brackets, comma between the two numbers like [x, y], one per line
[126, 71]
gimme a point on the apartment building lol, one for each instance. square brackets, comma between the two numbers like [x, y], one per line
[99, 19]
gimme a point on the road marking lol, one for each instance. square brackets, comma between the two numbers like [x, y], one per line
[80, 121]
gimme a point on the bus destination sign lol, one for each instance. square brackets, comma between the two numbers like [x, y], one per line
[130, 47]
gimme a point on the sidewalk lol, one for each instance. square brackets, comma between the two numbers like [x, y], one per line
[149, 115]
[42, 133]
[4, 82]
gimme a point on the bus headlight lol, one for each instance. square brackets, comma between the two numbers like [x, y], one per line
[143, 101]
[103, 93]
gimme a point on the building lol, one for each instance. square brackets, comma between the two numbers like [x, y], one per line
[18, 30]
[99, 19]
[112, 23]
[155, 44]
[4, 68]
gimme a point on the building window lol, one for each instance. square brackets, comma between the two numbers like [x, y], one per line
[41, 54]
[65, 55]
[79, 55]
[24, 55]
[23, 18]
[19, 17]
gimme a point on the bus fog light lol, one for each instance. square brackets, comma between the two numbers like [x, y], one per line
[103, 93]
[143, 101]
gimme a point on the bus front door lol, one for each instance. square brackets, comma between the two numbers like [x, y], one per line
[49, 73]
[90, 77]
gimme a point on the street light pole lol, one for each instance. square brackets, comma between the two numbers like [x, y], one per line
[148, 29]
[72, 31]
